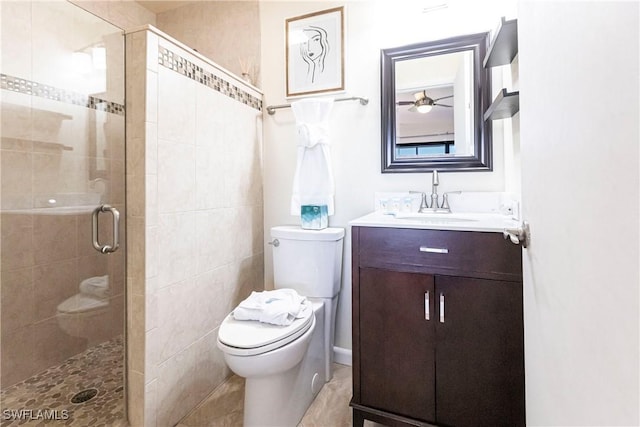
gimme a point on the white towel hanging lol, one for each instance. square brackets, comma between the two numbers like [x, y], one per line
[313, 180]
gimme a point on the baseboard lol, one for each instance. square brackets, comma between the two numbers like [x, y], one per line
[342, 356]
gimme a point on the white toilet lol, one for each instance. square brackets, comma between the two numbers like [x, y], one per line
[86, 314]
[286, 366]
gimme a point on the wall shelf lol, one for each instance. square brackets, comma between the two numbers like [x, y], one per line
[504, 106]
[504, 46]
[503, 49]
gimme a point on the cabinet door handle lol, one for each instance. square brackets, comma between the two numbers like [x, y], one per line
[427, 314]
[434, 250]
[441, 308]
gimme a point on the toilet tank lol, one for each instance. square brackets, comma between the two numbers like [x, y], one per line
[309, 261]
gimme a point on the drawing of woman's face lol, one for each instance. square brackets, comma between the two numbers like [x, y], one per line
[314, 48]
[314, 45]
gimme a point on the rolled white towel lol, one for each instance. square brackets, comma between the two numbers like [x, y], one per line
[97, 286]
[278, 307]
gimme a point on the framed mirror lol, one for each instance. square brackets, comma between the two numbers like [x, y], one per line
[434, 95]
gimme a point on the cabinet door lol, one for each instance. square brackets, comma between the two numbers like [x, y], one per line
[480, 353]
[397, 342]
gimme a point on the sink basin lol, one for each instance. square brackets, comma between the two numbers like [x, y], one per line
[434, 218]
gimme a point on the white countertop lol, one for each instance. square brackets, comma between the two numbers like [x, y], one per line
[488, 222]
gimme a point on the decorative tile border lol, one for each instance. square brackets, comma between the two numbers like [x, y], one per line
[175, 62]
[28, 87]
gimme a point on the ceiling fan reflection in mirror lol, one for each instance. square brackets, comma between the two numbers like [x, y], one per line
[423, 103]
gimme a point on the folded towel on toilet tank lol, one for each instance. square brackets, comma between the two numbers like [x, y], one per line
[278, 307]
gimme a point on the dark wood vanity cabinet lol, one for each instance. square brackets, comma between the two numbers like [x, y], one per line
[437, 328]
[395, 355]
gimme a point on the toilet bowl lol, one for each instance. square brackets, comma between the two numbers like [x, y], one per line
[86, 314]
[286, 366]
[282, 365]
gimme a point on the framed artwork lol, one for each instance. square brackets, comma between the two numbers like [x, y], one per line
[315, 52]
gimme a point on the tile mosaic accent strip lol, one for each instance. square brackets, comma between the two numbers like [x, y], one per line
[28, 87]
[175, 62]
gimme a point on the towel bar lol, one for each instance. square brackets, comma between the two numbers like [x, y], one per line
[271, 109]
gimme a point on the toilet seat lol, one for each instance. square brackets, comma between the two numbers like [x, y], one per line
[249, 337]
[81, 303]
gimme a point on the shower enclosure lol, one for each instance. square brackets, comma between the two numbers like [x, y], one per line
[62, 212]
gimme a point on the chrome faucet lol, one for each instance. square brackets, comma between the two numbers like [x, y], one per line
[434, 205]
[435, 181]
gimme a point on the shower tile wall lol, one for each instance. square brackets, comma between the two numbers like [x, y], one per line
[194, 181]
[53, 149]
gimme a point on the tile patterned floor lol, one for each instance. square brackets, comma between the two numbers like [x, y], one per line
[45, 398]
[102, 367]
[223, 407]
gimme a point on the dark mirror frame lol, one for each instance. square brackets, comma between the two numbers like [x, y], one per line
[483, 150]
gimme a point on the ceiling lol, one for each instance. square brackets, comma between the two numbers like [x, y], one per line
[159, 6]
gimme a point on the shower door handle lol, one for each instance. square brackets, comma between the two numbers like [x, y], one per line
[105, 249]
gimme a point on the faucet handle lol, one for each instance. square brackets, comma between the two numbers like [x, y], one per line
[423, 202]
[445, 202]
[435, 179]
[445, 199]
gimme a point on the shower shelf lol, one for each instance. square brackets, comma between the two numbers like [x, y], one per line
[52, 146]
[39, 144]
[271, 109]
[36, 114]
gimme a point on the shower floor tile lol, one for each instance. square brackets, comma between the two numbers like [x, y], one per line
[45, 398]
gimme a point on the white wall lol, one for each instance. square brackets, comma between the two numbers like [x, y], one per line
[370, 26]
[580, 186]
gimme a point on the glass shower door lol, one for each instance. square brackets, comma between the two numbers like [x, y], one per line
[62, 187]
